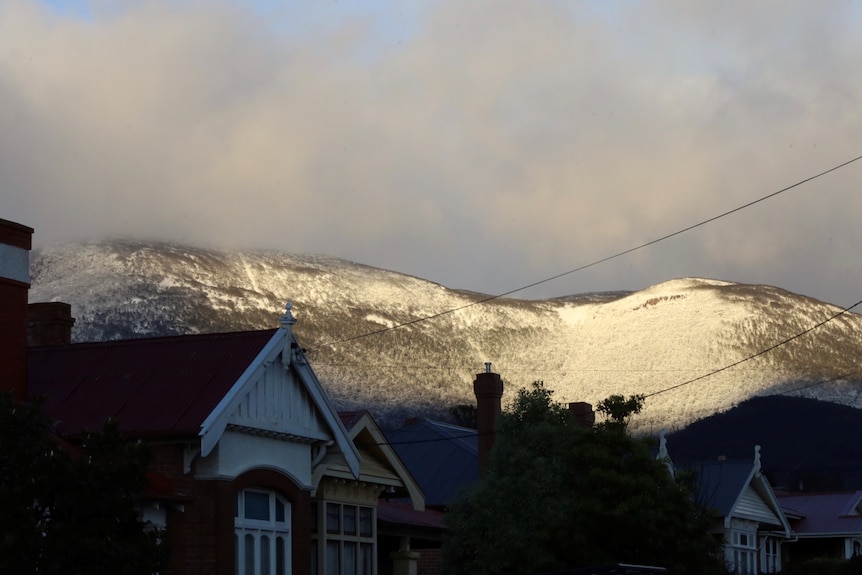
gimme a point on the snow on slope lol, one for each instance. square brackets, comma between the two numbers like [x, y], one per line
[583, 348]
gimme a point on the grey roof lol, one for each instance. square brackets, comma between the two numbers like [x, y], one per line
[719, 483]
[443, 458]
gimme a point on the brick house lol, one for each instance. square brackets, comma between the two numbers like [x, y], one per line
[254, 471]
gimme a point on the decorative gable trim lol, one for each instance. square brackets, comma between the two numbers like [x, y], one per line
[379, 447]
[284, 349]
[757, 500]
[216, 422]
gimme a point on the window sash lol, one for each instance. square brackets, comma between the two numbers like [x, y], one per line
[263, 547]
[347, 544]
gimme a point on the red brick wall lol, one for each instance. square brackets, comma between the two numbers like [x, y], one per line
[430, 562]
[201, 536]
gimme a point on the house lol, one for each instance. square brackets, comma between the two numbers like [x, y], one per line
[748, 515]
[254, 471]
[826, 525]
[441, 456]
[411, 537]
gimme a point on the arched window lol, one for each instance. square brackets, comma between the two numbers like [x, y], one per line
[262, 531]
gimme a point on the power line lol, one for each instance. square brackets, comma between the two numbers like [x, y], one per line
[599, 261]
[758, 354]
[471, 367]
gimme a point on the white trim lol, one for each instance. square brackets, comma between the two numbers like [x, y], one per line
[366, 422]
[14, 263]
[216, 422]
[321, 399]
[264, 536]
[758, 482]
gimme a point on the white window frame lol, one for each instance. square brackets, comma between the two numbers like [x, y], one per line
[743, 552]
[267, 537]
[770, 555]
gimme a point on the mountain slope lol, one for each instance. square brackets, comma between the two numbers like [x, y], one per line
[806, 444]
[585, 348]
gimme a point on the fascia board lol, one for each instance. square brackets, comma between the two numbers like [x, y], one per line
[366, 422]
[321, 399]
[216, 422]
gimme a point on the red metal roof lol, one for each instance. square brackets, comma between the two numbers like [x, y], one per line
[824, 513]
[400, 513]
[162, 386]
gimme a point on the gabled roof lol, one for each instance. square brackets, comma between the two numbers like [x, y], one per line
[739, 489]
[824, 514]
[443, 458]
[165, 386]
[177, 386]
[379, 463]
[719, 484]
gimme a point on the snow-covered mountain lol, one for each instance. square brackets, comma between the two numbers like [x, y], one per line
[585, 348]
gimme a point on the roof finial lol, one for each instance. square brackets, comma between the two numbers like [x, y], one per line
[757, 457]
[287, 321]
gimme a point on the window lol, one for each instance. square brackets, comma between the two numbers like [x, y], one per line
[743, 549]
[770, 562]
[346, 541]
[262, 531]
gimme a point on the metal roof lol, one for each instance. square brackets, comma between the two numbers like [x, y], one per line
[719, 484]
[403, 514]
[163, 386]
[443, 458]
[824, 513]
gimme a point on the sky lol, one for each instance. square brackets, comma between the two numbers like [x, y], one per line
[483, 145]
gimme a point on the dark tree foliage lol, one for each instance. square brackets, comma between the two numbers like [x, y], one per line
[464, 415]
[559, 496]
[71, 509]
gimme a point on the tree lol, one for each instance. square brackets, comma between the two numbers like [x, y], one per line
[557, 495]
[464, 415]
[71, 509]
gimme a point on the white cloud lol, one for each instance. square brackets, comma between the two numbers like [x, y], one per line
[478, 146]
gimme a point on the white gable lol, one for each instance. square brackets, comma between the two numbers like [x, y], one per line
[276, 402]
[751, 505]
[278, 396]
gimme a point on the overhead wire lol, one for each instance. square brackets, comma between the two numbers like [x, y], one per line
[596, 262]
[758, 354]
[626, 252]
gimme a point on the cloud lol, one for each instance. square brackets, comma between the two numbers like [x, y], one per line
[479, 146]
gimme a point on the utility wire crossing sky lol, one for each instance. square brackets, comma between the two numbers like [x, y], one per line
[476, 145]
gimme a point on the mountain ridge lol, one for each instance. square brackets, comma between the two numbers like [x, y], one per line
[365, 334]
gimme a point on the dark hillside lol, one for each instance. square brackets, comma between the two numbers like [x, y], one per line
[806, 443]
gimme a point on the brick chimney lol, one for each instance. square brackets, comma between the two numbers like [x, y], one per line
[583, 412]
[15, 244]
[488, 388]
[49, 323]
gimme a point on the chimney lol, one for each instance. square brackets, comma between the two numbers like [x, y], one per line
[15, 244]
[584, 414]
[49, 323]
[488, 388]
